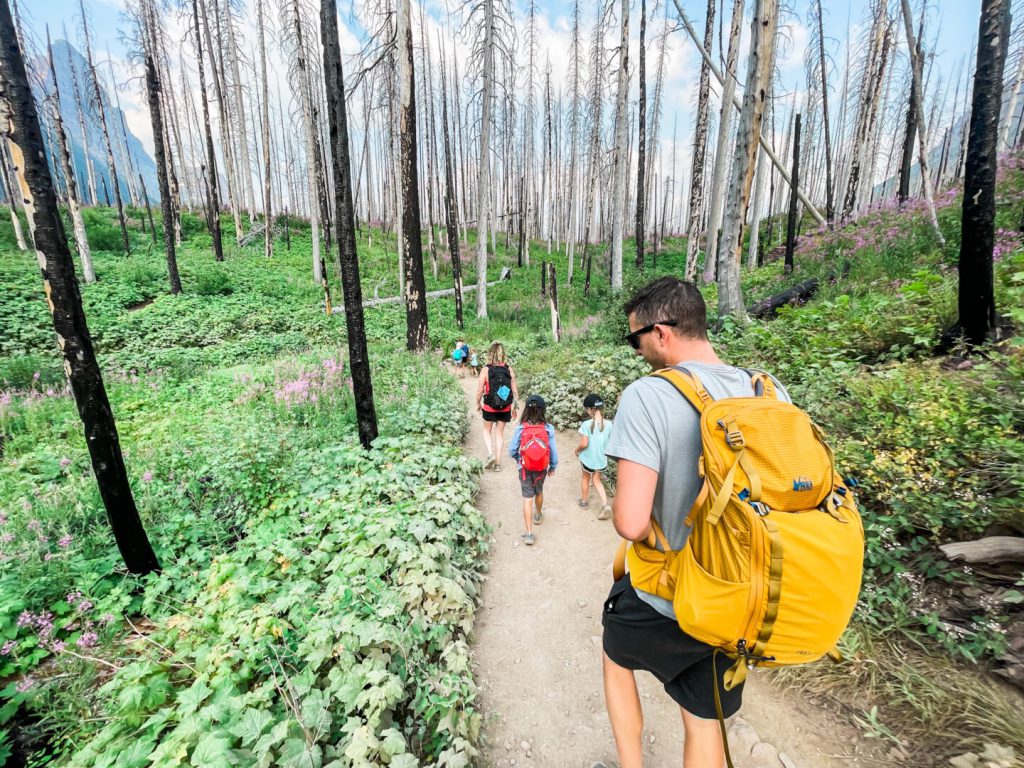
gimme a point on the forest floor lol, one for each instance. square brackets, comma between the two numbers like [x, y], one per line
[537, 648]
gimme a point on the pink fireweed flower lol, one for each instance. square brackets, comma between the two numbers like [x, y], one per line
[7, 648]
[7, 538]
[147, 477]
[65, 462]
[3, 519]
[87, 640]
[57, 646]
[65, 541]
[27, 618]
[85, 606]
[106, 619]
[34, 525]
[73, 597]
[24, 685]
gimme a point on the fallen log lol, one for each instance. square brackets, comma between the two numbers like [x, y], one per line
[799, 292]
[992, 549]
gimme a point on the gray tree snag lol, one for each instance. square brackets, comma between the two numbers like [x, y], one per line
[292, 22]
[11, 193]
[450, 207]
[618, 206]
[910, 128]
[721, 148]
[485, 51]
[212, 193]
[922, 143]
[830, 206]
[412, 246]
[976, 293]
[20, 127]
[700, 146]
[344, 221]
[74, 206]
[268, 231]
[760, 62]
[102, 113]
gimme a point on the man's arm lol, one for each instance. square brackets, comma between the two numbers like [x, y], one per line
[634, 498]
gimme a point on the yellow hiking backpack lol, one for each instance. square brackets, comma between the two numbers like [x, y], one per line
[771, 570]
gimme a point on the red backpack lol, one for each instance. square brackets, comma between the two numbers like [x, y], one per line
[534, 451]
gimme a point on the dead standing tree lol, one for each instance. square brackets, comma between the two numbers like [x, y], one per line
[19, 125]
[212, 191]
[620, 161]
[760, 62]
[412, 245]
[700, 146]
[344, 220]
[450, 205]
[74, 205]
[101, 112]
[976, 297]
[146, 22]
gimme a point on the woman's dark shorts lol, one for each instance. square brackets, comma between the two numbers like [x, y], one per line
[638, 637]
[588, 470]
[505, 416]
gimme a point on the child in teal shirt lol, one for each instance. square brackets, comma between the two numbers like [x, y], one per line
[594, 432]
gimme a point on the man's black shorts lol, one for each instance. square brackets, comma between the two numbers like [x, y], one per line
[638, 637]
[505, 416]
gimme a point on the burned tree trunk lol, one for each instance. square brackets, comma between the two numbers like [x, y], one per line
[212, 194]
[268, 232]
[344, 221]
[907, 161]
[10, 191]
[24, 138]
[618, 203]
[556, 323]
[451, 209]
[153, 88]
[791, 220]
[412, 246]
[641, 147]
[976, 297]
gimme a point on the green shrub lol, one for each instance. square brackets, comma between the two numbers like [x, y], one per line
[213, 281]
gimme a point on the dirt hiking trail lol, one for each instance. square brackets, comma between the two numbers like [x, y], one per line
[537, 645]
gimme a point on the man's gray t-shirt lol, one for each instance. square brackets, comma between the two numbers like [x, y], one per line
[656, 427]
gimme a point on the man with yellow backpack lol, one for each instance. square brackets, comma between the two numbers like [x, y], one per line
[743, 543]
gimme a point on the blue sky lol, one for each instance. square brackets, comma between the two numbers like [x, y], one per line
[950, 29]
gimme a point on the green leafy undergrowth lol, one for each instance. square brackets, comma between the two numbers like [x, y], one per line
[350, 575]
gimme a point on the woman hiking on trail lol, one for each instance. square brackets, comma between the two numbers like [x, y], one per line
[497, 398]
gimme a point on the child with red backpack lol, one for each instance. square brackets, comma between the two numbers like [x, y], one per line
[533, 448]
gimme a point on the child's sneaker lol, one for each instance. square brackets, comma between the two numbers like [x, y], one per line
[538, 517]
[582, 504]
[490, 462]
[605, 513]
[528, 539]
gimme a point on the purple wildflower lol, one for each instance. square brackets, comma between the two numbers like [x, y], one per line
[34, 525]
[106, 619]
[7, 538]
[7, 648]
[26, 619]
[87, 640]
[24, 685]
[73, 597]
[65, 541]
[65, 462]
[84, 606]
[57, 646]
[147, 476]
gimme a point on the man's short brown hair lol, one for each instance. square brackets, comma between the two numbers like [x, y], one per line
[669, 298]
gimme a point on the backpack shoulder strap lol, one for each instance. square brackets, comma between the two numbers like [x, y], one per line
[764, 385]
[688, 385]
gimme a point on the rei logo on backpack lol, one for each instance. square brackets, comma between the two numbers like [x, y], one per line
[498, 394]
[771, 570]
[534, 451]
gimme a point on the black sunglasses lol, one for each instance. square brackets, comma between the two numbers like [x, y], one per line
[633, 339]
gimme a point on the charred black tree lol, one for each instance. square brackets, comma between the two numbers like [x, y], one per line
[911, 133]
[25, 141]
[416, 339]
[976, 299]
[793, 201]
[344, 220]
[641, 142]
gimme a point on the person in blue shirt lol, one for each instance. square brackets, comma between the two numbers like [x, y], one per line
[533, 448]
[594, 435]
